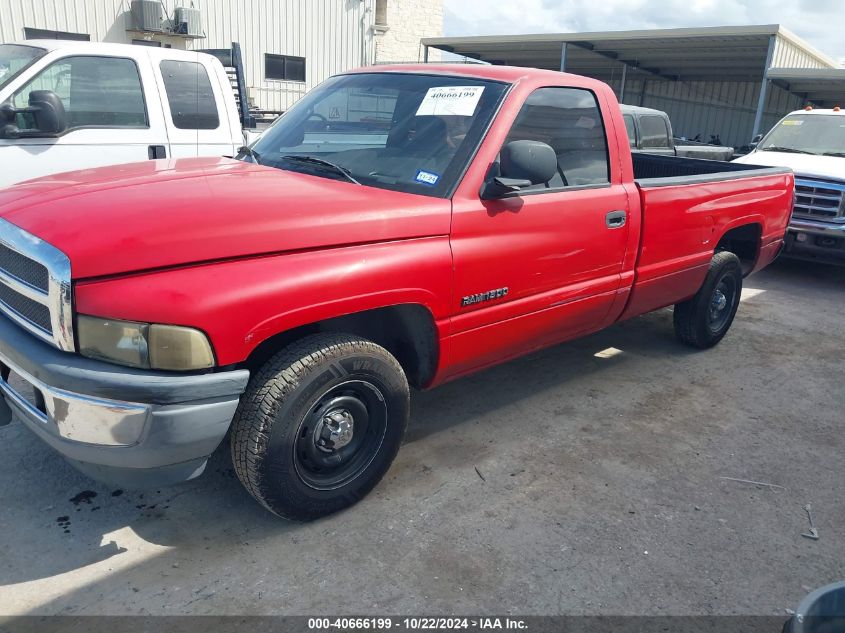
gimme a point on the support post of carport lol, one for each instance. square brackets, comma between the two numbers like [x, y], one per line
[563, 57]
[425, 53]
[764, 88]
[622, 87]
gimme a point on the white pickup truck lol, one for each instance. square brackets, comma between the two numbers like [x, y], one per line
[812, 143]
[68, 105]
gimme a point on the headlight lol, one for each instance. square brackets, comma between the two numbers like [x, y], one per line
[149, 346]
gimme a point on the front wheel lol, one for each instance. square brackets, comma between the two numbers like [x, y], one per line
[319, 425]
[703, 320]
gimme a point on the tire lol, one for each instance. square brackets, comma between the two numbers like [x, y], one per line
[703, 320]
[319, 425]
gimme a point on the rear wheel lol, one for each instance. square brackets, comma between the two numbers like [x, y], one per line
[703, 320]
[319, 425]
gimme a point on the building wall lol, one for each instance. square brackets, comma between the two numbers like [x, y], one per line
[407, 21]
[787, 55]
[332, 35]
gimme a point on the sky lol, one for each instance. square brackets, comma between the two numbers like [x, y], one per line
[819, 22]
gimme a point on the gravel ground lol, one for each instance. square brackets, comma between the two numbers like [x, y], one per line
[565, 482]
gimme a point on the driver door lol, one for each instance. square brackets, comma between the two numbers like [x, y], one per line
[543, 264]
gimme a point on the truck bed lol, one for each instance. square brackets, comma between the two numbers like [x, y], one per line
[681, 219]
[654, 170]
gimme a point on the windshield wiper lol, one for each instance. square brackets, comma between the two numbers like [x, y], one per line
[787, 150]
[839, 154]
[313, 160]
[248, 151]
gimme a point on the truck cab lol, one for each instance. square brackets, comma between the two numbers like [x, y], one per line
[812, 143]
[76, 105]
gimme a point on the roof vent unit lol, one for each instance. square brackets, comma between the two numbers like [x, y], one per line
[146, 15]
[188, 21]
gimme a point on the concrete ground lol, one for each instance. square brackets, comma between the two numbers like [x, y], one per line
[568, 482]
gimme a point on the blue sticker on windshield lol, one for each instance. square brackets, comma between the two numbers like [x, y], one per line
[427, 178]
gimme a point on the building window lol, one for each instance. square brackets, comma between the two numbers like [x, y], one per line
[381, 12]
[284, 67]
[43, 34]
[191, 98]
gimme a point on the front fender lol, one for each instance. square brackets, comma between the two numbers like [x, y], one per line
[241, 303]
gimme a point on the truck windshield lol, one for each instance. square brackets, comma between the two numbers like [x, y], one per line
[820, 134]
[14, 59]
[405, 132]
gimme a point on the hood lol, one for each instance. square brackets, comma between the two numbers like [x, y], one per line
[157, 214]
[825, 167]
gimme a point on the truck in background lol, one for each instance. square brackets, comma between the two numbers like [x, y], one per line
[75, 105]
[650, 132]
[811, 142]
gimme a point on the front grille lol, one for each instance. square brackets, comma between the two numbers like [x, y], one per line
[23, 268]
[26, 308]
[35, 286]
[819, 200]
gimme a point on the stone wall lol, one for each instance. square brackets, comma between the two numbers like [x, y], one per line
[407, 22]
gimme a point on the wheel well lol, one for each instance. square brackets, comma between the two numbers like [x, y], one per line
[744, 242]
[407, 331]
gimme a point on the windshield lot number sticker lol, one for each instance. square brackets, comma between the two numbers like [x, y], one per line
[427, 178]
[450, 101]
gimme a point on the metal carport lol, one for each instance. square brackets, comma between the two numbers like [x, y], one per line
[824, 88]
[712, 78]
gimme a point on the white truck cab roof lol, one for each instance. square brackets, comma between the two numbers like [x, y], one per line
[106, 48]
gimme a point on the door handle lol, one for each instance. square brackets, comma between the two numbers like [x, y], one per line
[156, 151]
[616, 219]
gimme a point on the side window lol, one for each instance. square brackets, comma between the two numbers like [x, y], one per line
[632, 131]
[95, 91]
[189, 93]
[569, 120]
[653, 132]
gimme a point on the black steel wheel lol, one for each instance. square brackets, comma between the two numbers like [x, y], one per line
[704, 319]
[341, 435]
[319, 425]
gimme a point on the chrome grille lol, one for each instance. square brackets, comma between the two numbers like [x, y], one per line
[34, 312]
[819, 200]
[35, 290]
[23, 268]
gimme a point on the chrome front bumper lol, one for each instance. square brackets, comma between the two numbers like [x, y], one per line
[817, 228]
[816, 241]
[123, 426]
[74, 416]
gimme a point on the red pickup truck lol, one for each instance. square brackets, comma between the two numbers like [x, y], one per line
[399, 226]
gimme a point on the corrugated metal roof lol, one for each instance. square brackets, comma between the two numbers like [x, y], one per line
[696, 54]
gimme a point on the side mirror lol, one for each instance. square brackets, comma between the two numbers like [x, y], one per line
[48, 111]
[45, 108]
[10, 131]
[521, 164]
[756, 140]
[7, 112]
